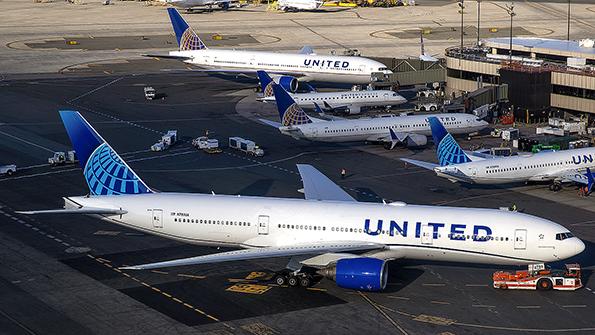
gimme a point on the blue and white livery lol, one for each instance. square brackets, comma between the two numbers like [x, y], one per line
[328, 232]
[305, 65]
[411, 131]
[553, 166]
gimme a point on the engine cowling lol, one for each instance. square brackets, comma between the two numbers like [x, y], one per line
[289, 83]
[364, 273]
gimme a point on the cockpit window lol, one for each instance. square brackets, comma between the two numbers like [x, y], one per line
[563, 236]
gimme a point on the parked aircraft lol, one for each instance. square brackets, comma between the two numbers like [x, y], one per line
[555, 166]
[188, 5]
[305, 65]
[328, 233]
[350, 102]
[298, 5]
[408, 130]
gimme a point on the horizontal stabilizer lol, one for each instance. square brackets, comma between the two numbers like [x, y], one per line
[317, 186]
[169, 57]
[256, 253]
[270, 123]
[82, 211]
[425, 165]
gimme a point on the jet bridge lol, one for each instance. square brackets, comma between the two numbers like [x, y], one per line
[408, 72]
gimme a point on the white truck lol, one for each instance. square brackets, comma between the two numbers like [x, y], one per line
[167, 140]
[208, 145]
[8, 170]
[427, 106]
[246, 146]
[150, 93]
[63, 158]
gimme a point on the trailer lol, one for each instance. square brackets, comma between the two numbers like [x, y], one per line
[538, 277]
[246, 146]
[167, 140]
[63, 158]
[208, 145]
[8, 170]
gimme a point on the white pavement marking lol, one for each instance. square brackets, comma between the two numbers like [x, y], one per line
[28, 142]
[39, 174]
[94, 90]
[528, 307]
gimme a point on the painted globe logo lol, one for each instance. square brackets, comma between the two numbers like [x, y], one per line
[106, 174]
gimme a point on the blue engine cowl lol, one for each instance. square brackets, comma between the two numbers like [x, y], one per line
[289, 83]
[364, 274]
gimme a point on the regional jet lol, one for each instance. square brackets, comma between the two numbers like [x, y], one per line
[412, 131]
[552, 166]
[327, 234]
[305, 66]
[350, 102]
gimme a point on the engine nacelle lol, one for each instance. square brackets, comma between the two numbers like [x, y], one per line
[364, 273]
[289, 83]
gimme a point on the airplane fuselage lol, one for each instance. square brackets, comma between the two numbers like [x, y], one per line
[543, 166]
[353, 99]
[371, 129]
[409, 232]
[332, 69]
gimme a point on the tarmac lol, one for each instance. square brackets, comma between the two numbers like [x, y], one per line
[59, 274]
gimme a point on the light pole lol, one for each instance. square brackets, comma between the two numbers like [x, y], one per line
[510, 10]
[478, 16]
[568, 31]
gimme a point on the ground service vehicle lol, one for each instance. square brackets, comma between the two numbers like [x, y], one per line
[538, 277]
[8, 169]
[62, 158]
[246, 146]
[208, 145]
[150, 93]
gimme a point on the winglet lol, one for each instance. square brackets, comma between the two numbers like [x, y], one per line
[394, 140]
[448, 150]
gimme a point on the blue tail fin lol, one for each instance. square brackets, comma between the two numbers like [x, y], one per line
[448, 150]
[290, 113]
[187, 38]
[265, 83]
[105, 172]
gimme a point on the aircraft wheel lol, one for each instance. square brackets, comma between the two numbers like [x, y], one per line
[544, 284]
[433, 108]
[292, 281]
[387, 146]
[9, 173]
[305, 281]
[280, 280]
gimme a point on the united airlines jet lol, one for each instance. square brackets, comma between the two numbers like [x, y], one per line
[306, 66]
[329, 233]
[554, 166]
[350, 102]
[412, 131]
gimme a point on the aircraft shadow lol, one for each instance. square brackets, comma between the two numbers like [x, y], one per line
[400, 276]
[258, 188]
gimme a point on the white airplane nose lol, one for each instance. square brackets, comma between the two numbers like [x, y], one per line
[579, 246]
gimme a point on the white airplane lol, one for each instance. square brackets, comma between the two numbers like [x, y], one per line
[305, 65]
[328, 233]
[412, 131]
[298, 5]
[424, 56]
[350, 102]
[555, 166]
[188, 5]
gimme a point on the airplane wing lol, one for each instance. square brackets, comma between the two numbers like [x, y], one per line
[576, 176]
[82, 211]
[317, 186]
[267, 252]
[393, 137]
[182, 58]
[270, 123]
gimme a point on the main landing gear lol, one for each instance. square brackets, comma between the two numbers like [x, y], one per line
[301, 278]
[555, 186]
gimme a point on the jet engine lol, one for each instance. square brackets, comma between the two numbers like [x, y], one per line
[289, 83]
[364, 273]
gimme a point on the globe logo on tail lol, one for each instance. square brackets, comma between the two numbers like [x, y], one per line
[106, 174]
[294, 115]
[449, 152]
[191, 41]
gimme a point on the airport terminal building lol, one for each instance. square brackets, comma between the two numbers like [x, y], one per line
[542, 74]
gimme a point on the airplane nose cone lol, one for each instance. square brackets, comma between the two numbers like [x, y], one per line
[579, 246]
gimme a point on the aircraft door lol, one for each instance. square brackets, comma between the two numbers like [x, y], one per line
[157, 218]
[386, 97]
[263, 225]
[426, 235]
[520, 239]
